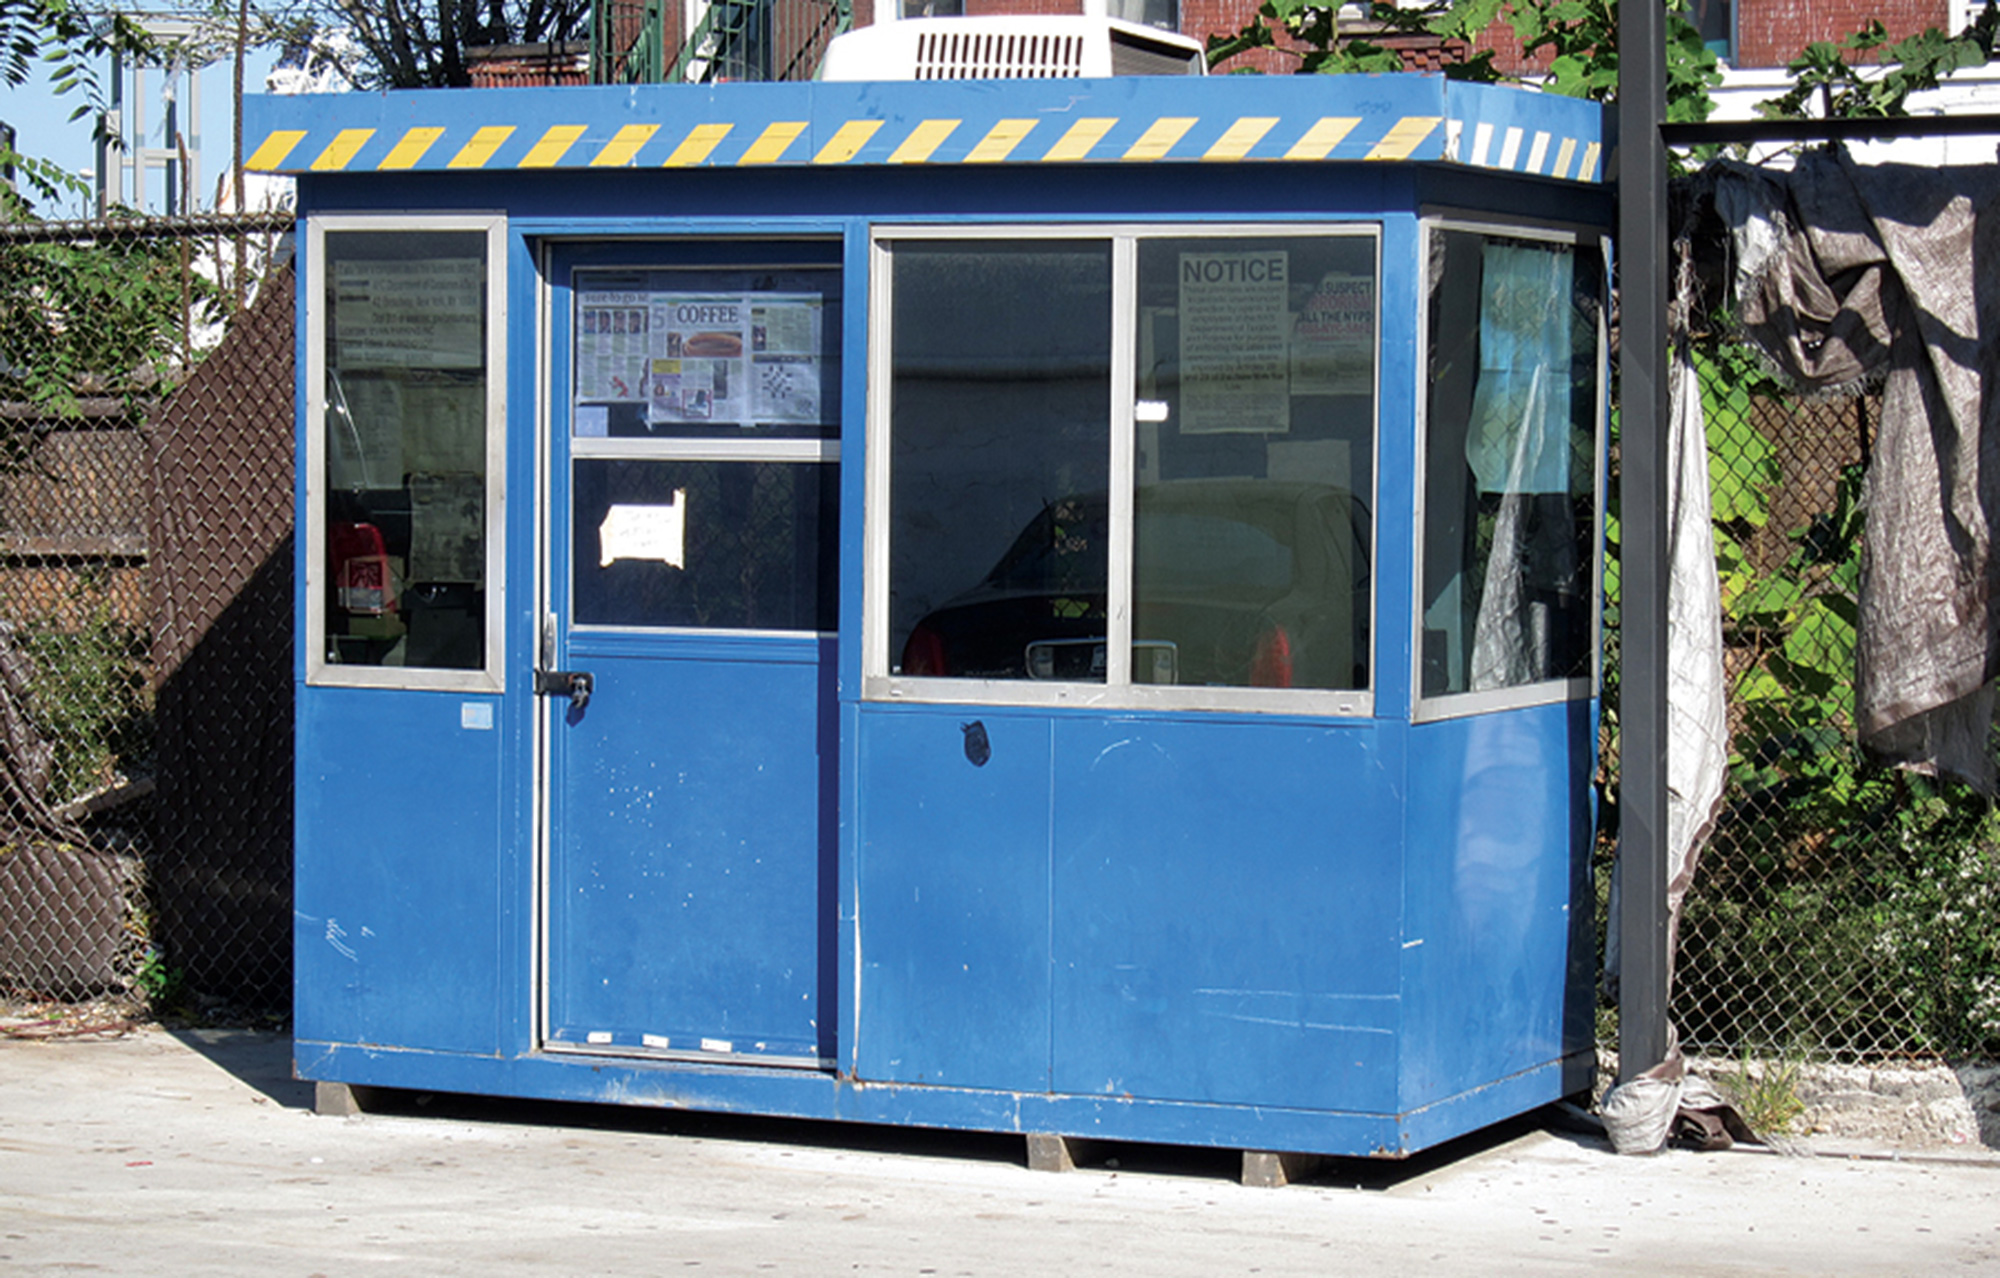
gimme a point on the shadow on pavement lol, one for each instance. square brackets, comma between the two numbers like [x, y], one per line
[260, 1061]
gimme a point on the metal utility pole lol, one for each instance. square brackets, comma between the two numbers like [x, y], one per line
[1642, 608]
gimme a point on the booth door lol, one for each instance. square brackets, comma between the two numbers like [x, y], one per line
[687, 652]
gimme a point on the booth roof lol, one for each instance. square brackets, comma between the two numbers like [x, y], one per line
[1165, 119]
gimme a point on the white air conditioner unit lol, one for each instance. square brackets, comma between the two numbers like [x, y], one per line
[1023, 47]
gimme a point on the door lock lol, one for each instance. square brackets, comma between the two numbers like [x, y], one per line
[574, 684]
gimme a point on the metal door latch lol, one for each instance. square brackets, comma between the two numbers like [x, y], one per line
[574, 684]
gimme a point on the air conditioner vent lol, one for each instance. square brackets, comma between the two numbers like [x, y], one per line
[1011, 47]
[946, 54]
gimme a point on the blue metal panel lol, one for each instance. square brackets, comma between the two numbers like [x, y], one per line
[952, 890]
[688, 835]
[1226, 907]
[1498, 951]
[1393, 571]
[400, 844]
[1225, 119]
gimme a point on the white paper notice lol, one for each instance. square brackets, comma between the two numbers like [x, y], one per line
[658, 533]
[1333, 340]
[1233, 338]
[398, 314]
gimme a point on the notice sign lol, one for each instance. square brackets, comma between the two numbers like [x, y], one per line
[408, 314]
[1234, 325]
[1333, 339]
[658, 533]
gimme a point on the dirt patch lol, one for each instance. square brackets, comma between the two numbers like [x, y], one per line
[1912, 1106]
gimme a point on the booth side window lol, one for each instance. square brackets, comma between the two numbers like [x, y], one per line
[404, 439]
[1244, 560]
[1511, 454]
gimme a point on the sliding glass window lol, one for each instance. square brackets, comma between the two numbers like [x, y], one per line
[1133, 466]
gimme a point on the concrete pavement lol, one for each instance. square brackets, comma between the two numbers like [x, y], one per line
[196, 1153]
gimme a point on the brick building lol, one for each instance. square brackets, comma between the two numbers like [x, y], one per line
[707, 40]
[1746, 34]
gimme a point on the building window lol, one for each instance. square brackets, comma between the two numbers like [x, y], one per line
[1716, 21]
[1139, 463]
[406, 423]
[1164, 14]
[1514, 362]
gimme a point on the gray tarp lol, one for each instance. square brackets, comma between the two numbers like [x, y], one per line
[1846, 276]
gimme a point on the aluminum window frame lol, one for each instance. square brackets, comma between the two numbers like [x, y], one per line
[1452, 705]
[1116, 692]
[491, 675]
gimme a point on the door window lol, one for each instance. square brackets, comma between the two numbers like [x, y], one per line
[704, 425]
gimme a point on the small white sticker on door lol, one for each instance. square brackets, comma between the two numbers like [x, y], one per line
[658, 533]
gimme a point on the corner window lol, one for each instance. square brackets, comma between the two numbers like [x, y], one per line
[1134, 466]
[1514, 359]
[404, 408]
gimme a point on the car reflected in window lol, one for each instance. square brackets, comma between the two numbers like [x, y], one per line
[1236, 583]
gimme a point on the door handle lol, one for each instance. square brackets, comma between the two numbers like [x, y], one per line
[577, 685]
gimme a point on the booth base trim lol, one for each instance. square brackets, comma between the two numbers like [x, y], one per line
[797, 1094]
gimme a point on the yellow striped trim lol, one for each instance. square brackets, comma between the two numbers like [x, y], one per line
[771, 143]
[475, 154]
[548, 151]
[1238, 138]
[696, 147]
[274, 149]
[1000, 141]
[1564, 154]
[1326, 133]
[847, 143]
[1081, 137]
[339, 151]
[410, 148]
[1407, 136]
[625, 144]
[1156, 141]
[1588, 171]
[923, 140]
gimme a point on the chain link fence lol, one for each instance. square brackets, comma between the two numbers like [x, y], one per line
[145, 615]
[1842, 909]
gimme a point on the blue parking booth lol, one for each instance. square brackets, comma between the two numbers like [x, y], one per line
[1059, 607]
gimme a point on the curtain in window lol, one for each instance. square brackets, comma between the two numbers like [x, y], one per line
[1518, 445]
